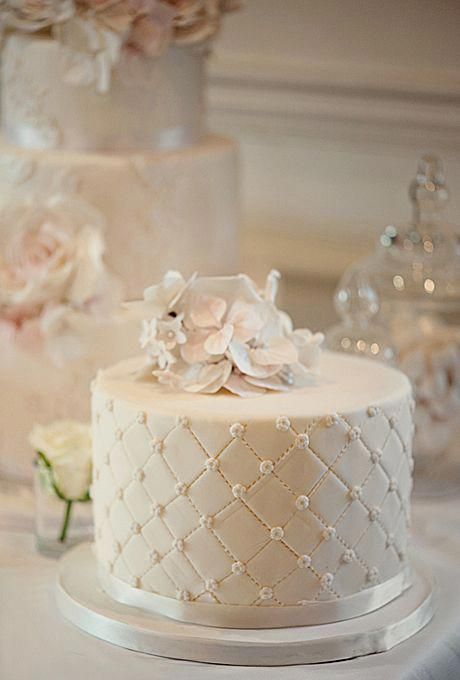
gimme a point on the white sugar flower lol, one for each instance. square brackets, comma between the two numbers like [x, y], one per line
[160, 299]
[210, 333]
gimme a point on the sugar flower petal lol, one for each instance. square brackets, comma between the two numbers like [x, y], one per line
[278, 350]
[207, 311]
[217, 343]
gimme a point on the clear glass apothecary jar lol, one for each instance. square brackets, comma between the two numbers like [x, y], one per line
[401, 304]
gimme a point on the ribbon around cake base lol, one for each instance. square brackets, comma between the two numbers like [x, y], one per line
[245, 616]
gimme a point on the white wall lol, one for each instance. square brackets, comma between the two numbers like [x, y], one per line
[332, 103]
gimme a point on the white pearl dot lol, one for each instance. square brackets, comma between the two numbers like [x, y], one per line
[136, 528]
[276, 533]
[390, 540]
[237, 430]
[210, 585]
[328, 533]
[266, 467]
[393, 484]
[141, 417]
[302, 502]
[206, 521]
[374, 513]
[139, 475]
[238, 568]
[372, 411]
[302, 441]
[181, 488]
[354, 433]
[304, 561]
[157, 445]
[376, 455]
[283, 424]
[348, 556]
[178, 544]
[355, 493]
[331, 420]
[266, 593]
[183, 595]
[239, 491]
[373, 574]
[154, 557]
[327, 580]
[212, 464]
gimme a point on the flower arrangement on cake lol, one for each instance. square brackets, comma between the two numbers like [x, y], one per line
[53, 279]
[97, 32]
[208, 333]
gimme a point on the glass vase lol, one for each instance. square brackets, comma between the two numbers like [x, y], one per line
[59, 523]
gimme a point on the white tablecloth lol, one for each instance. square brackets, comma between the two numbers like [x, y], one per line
[37, 644]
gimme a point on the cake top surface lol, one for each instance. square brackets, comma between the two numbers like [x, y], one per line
[345, 384]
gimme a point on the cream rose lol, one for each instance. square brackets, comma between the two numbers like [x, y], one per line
[65, 448]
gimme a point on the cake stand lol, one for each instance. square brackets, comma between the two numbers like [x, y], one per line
[83, 602]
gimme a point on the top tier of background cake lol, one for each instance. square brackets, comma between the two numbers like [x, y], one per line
[105, 75]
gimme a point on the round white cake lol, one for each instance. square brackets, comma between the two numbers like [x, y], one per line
[289, 508]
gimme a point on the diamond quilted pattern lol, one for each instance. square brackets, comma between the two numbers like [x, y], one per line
[268, 566]
[330, 498]
[246, 543]
[210, 493]
[299, 466]
[185, 507]
[183, 455]
[261, 502]
[239, 464]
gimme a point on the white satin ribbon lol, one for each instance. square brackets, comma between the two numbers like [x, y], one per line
[47, 138]
[243, 616]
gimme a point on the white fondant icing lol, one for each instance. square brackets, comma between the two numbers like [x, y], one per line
[254, 533]
[41, 110]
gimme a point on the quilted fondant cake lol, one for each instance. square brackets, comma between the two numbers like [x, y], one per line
[242, 477]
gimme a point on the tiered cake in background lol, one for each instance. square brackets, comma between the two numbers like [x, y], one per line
[104, 149]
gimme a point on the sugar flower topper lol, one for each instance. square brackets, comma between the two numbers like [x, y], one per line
[210, 333]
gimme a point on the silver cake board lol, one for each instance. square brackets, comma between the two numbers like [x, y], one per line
[83, 602]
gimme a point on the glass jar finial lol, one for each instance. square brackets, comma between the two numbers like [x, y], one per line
[428, 192]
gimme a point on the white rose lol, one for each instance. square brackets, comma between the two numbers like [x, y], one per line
[66, 447]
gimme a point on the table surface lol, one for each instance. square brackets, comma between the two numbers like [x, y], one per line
[36, 643]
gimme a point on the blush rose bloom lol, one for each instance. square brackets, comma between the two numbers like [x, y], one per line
[52, 256]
